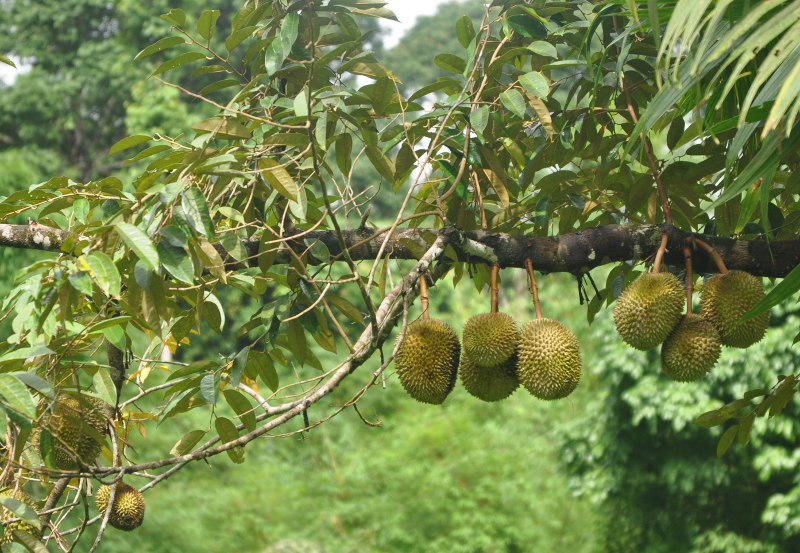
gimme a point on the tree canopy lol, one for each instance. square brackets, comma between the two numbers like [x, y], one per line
[583, 137]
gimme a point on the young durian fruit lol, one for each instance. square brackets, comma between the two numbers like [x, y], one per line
[427, 360]
[127, 513]
[78, 425]
[489, 383]
[724, 298]
[549, 364]
[648, 309]
[7, 514]
[548, 355]
[691, 350]
[490, 339]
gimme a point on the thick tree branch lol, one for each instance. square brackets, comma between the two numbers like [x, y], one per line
[577, 252]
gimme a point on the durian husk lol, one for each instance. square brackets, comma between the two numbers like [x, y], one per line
[648, 309]
[490, 339]
[427, 360]
[549, 359]
[489, 383]
[127, 513]
[692, 349]
[77, 424]
[8, 514]
[724, 298]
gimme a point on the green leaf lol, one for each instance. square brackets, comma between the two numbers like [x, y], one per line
[382, 164]
[745, 426]
[479, 119]
[36, 382]
[181, 59]
[21, 510]
[713, 418]
[224, 127]
[535, 83]
[726, 440]
[196, 211]
[176, 261]
[209, 388]
[187, 442]
[351, 311]
[24, 353]
[175, 16]
[140, 243]
[207, 23]
[543, 49]
[344, 148]
[5, 59]
[465, 31]
[104, 386]
[103, 271]
[450, 62]
[159, 46]
[241, 405]
[260, 364]
[279, 178]
[227, 433]
[280, 48]
[17, 395]
[129, 142]
[513, 101]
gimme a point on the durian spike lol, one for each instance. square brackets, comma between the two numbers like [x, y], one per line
[662, 248]
[687, 256]
[494, 285]
[713, 254]
[423, 294]
[533, 287]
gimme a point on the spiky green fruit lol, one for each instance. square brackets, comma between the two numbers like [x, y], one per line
[489, 383]
[8, 514]
[127, 513]
[549, 364]
[691, 350]
[427, 360]
[78, 425]
[725, 298]
[490, 338]
[648, 309]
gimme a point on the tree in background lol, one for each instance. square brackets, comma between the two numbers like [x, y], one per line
[567, 135]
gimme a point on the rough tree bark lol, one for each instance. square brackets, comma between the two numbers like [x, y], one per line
[577, 252]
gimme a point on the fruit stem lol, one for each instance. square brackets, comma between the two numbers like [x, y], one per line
[687, 256]
[662, 248]
[493, 285]
[533, 287]
[423, 295]
[713, 254]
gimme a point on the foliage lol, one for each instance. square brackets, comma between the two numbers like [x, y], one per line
[550, 120]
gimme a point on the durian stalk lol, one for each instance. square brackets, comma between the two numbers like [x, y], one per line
[713, 254]
[423, 296]
[662, 248]
[494, 285]
[534, 289]
[687, 256]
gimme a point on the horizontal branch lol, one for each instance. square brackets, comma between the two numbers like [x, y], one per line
[576, 252]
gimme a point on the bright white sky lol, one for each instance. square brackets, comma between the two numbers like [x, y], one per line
[406, 11]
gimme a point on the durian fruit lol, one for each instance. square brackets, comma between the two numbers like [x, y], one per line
[691, 350]
[427, 360]
[648, 309]
[725, 298]
[8, 514]
[549, 364]
[489, 383]
[77, 425]
[127, 513]
[490, 339]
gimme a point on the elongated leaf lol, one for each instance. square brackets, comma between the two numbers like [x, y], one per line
[513, 101]
[176, 261]
[102, 270]
[727, 439]
[782, 291]
[196, 211]
[260, 364]
[209, 388]
[140, 243]
[159, 46]
[535, 83]
[207, 23]
[279, 178]
[187, 442]
[182, 59]
[24, 353]
[227, 433]
[241, 405]
[16, 394]
[5, 59]
[129, 142]
[351, 311]
[105, 387]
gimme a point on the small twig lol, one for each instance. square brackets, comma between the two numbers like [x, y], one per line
[52, 499]
[494, 285]
[532, 286]
[713, 254]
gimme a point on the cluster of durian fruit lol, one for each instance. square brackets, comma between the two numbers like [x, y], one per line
[544, 356]
[78, 425]
[649, 312]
